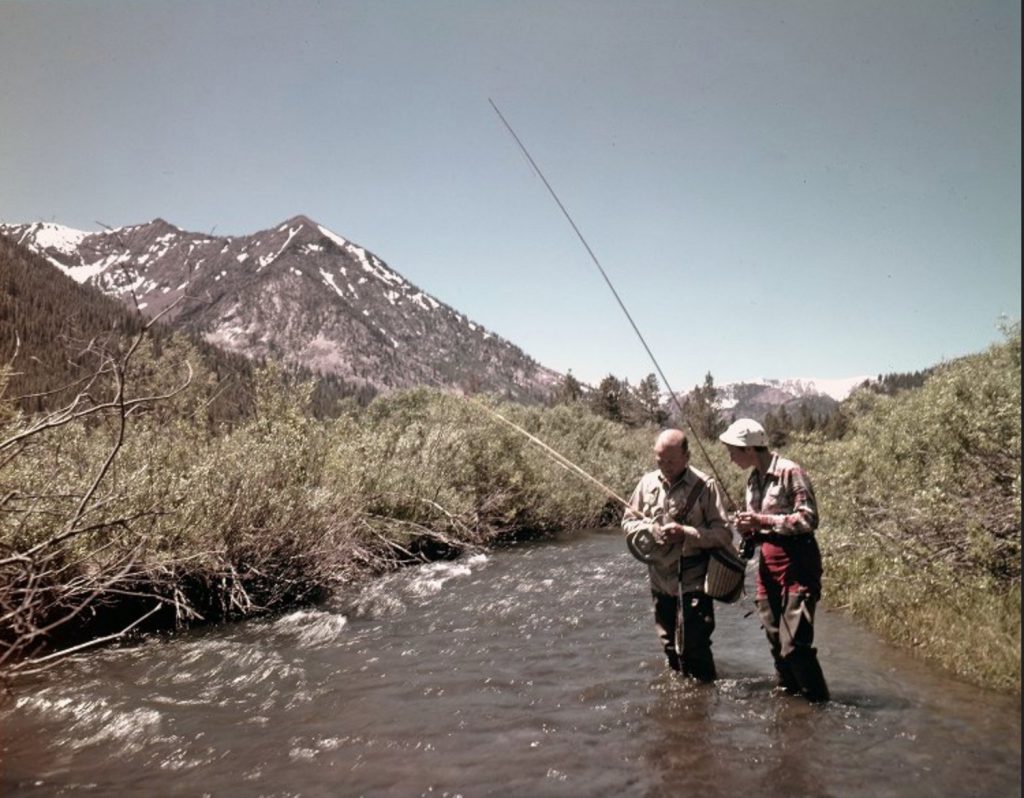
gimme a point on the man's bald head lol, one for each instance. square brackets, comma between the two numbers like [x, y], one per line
[671, 437]
[672, 453]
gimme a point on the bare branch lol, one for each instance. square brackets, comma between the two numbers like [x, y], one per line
[23, 668]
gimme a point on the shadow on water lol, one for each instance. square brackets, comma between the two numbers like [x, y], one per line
[530, 671]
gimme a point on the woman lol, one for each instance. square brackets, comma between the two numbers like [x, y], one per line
[781, 517]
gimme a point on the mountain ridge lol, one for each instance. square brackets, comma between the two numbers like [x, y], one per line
[297, 292]
[758, 397]
[304, 294]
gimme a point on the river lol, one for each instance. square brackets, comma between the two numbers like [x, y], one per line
[527, 671]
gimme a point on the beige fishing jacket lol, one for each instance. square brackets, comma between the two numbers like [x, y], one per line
[654, 498]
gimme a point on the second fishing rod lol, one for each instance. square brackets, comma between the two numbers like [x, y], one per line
[608, 282]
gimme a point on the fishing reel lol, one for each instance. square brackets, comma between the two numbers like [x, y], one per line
[748, 544]
[647, 545]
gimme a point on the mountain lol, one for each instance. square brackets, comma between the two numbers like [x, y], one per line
[55, 334]
[47, 323]
[298, 293]
[756, 398]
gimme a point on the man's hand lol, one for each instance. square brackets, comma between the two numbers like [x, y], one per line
[673, 532]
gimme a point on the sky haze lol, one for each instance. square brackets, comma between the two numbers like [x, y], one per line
[780, 189]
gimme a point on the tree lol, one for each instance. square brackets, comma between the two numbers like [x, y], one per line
[806, 420]
[778, 426]
[609, 400]
[570, 390]
[700, 409]
[836, 426]
[648, 397]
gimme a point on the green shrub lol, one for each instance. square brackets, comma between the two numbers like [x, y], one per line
[921, 514]
[279, 509]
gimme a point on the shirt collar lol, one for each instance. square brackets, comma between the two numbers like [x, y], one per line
[774, 470]
[682, 479]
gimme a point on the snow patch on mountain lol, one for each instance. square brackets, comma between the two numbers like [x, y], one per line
[48, 235]
[337, 239]
[838, 388]
[796, 387]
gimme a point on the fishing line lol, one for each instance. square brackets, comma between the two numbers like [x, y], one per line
[557, 456]
[618, 299]
[550, 451]
[641, 544]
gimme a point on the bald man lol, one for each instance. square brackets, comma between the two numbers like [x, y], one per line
[682, 507]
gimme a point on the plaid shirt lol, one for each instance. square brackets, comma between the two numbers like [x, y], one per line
[784, 504]
[654, 498]
[783, 498]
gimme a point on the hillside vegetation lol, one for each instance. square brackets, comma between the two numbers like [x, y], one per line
[921, 512]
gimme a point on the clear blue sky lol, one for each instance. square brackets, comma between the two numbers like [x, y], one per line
[782, 189]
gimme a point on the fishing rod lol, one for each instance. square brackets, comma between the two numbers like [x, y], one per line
[604, 274]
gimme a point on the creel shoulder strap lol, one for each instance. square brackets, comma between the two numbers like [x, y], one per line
[691, 499]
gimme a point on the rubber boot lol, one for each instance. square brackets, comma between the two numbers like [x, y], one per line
[701, 667]
[673, 660]
[785, 679]
[807, 671]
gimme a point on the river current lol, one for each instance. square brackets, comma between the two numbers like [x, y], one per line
[528, 671]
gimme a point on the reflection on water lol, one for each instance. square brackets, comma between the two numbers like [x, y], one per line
[531, 671]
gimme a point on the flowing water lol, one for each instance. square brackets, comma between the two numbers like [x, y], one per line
[530, 671]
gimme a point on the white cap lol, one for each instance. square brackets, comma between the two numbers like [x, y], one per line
[744, 432]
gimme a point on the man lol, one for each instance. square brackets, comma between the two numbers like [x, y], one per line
[781, 516]
[682, 508]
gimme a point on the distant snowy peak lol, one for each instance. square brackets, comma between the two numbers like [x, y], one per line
[756, 397]
[838, 388]
[55, 242]
[82, 254]
[50, 236]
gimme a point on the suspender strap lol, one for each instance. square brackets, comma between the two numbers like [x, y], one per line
[685, 563]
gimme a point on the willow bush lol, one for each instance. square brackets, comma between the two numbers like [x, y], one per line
[439, 465]
[921, 514]
[181, 522]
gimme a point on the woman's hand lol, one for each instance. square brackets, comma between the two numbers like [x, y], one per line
[747, 524]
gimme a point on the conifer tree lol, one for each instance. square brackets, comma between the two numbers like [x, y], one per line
[648, 396]
[608, 400]
[701, 409]
[570, 391]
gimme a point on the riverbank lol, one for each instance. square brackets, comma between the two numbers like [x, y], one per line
[921, 511]
[189, 527]
[155, 522]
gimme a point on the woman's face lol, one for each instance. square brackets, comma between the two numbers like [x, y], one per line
[744, 457]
